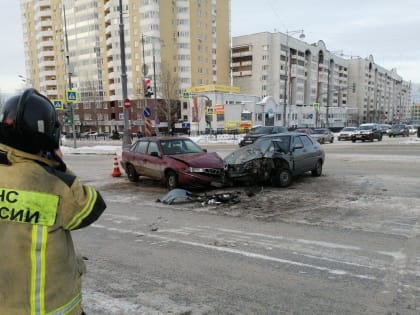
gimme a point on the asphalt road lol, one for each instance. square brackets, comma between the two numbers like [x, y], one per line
[344, 243]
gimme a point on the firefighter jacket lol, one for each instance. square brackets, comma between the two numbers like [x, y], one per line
[39, 206]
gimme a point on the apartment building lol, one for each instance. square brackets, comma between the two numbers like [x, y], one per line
[294, 72]
[171, 45]
[380, 95]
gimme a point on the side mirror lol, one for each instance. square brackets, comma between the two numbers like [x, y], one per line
[155, 154]
[205, 150]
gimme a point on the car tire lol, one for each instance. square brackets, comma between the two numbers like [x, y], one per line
[332, 140]
[171, 180]
[282, 178]
[131, 173]
[317, 171]
[353, 141]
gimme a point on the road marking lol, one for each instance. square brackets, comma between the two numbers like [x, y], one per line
[242, 253]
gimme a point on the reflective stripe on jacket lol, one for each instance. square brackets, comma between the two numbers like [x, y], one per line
[40, 274]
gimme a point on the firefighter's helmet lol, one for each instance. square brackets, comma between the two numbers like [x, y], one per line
[31, 115]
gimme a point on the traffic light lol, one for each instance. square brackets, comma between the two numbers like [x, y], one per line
[147, 85]
[354, 87]
[68, 115]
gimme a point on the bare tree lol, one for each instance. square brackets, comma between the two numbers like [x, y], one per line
[170, 94]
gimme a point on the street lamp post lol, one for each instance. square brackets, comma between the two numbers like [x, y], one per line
[126, 137]
[285, 98]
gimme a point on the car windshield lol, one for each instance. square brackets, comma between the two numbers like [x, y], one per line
[260, 130]
[397, 126]
[179, 146]
[282, 143]
[349, 129]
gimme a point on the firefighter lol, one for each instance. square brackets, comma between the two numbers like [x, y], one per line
[41, 202]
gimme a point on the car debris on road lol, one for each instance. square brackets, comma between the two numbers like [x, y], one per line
[179, 195]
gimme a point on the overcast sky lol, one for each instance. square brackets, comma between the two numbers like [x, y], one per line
[386, 29]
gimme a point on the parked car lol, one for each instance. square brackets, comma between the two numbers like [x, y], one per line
[259, 131]
[367, 132]
[276, 159]
[323, 135]
[345, 133]
[176, 161]
[399, 130]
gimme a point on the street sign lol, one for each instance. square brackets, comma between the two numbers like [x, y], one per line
[185, 125]
[209, 110]
[71, 96]
[147, 112]
[127, 103]
[185, 94]
[316, 106]
[58, 104]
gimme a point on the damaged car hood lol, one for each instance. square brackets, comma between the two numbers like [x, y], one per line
[243, 155]
[211, 159]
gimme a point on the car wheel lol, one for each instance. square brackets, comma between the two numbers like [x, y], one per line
[353, 141]
[171, 180]
[132, 174]
[282, 178]
[380, 138]
[332, 140]
[317, 171]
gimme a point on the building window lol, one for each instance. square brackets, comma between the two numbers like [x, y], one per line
[246, 116]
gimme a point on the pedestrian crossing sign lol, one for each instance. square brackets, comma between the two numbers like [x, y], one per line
[71, 96]
[58, 104]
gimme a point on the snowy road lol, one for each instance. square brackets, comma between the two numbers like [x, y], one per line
[344, 243]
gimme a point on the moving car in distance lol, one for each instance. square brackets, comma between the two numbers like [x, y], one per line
[367, 132]
[399, 130]
[412, 129]
[175, 161]
[345, 133]
[323, 135]
[275, 159]
[385, 128]
[259, 131]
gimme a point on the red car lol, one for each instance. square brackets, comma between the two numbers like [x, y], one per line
[176, 161]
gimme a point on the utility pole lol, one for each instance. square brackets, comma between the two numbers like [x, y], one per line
[69, 73]
[126, 137]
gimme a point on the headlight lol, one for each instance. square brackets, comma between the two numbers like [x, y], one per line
[211, 171]
[196, 170]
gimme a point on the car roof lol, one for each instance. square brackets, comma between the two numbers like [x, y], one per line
[274, 135]
[158, 138]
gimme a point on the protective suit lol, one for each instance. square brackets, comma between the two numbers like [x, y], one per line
[40, 203]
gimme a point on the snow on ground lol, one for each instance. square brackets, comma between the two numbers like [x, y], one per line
[114, 146]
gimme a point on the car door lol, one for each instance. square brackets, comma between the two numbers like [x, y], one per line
[154, 163]
[137, 158]
[300, 158]
[311, 152]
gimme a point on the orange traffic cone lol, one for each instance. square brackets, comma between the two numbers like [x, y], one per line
[116, 172]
